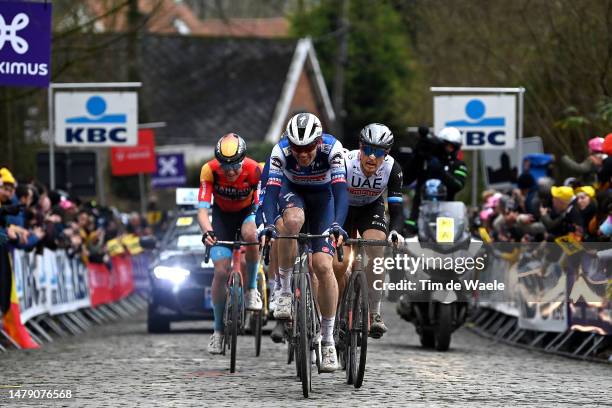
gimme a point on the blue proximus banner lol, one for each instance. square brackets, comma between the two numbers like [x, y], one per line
[25, 43]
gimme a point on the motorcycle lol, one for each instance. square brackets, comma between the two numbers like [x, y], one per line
[438, 301]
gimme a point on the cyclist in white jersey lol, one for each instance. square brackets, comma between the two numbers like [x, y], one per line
[370, 172]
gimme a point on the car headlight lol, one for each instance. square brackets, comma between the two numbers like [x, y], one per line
[174, 274]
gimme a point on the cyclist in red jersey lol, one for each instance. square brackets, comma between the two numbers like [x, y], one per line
[232, 179]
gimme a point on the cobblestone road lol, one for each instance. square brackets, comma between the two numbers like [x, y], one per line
[121, 365]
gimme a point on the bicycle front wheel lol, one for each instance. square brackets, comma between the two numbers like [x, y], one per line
[359, 330]
[235, 312]
[303, 346]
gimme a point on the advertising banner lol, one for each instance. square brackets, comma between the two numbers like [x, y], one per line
[127, 161]
[503, 271]
[140, 272]
[170, 171]
[100, 284]
[123, 279]
[590, 295]
[100, 119]
[485, 121]
[68, 288]
[542, 295]
[25, 43]
[31, 283]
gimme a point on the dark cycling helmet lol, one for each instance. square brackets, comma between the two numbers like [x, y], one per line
[231, 149]
[376, 134]
[434, 190]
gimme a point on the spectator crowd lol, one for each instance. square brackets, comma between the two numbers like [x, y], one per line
[540, 209]
[33, 218]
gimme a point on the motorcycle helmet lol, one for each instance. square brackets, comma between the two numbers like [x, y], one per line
[434, 190]
[451, 135]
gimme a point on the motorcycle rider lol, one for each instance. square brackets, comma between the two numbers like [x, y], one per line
[435, 157]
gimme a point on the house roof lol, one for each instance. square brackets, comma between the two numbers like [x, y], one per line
[201, 87]
[205, 87]
[163, 16]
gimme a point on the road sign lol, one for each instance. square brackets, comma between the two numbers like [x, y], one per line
[170, 171]
[485, 121]
[96, 119]
[25, 43]
[128, 161]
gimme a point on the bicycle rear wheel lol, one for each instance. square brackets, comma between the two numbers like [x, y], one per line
[359, 329]
[234, 316]
[303, 347]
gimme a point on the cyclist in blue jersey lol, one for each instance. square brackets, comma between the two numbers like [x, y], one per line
[307, 185]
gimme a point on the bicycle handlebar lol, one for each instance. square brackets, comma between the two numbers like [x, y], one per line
[367, 242]
[298, 237]
[241, 243]
[232, 243]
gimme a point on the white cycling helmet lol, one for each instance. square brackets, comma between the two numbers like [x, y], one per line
[304, 129]
[451, 135]
[376, 134]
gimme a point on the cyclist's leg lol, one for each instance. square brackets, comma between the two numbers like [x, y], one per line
[372, 225]
[292, 210]
[321, 212]
[221, 257]
[341, 268]
[248, 231]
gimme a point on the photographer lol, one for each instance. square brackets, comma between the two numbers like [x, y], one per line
[435, 157]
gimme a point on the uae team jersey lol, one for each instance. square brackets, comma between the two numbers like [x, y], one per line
[230, 196]
[365, 190]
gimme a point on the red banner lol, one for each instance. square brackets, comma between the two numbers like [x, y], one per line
[100, 284]
[106, 286]
[128, 161]
[123, 277]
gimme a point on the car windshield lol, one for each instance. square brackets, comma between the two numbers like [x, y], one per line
[185, 234]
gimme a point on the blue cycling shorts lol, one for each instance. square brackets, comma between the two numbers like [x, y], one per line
[318, 206]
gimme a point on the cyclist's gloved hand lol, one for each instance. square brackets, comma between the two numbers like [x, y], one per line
[336, 228]
[270, 232]
[395, 237]
[209, 238]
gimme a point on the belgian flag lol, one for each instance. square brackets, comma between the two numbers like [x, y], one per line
[9, 303]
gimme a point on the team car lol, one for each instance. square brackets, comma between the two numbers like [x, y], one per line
[180, 279]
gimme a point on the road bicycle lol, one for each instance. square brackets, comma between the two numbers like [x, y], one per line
[352, 323]
[303, 330]
[234, 313]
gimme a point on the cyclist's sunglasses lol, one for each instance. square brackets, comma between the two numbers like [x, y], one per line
[231, 166]
[304, 149]
[371, 150]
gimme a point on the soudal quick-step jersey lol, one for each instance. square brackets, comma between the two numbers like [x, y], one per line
[230, 196]
[327, 169]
